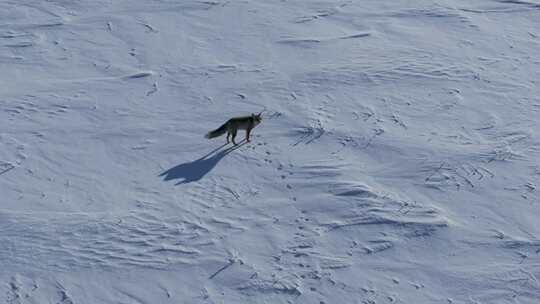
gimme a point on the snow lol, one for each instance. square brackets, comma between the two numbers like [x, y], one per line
[398, 160]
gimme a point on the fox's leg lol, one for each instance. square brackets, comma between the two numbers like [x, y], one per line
[228, 135]
[248, 131]
[233, 137]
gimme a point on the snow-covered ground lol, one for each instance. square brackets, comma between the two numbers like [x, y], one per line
[398, 160]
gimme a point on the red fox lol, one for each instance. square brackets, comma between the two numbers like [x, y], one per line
[234, 124]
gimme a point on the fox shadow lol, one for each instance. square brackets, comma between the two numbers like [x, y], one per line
[195, 170]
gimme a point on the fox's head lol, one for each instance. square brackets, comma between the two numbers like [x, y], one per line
[257, 118]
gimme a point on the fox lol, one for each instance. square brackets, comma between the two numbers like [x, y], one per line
[234, 124]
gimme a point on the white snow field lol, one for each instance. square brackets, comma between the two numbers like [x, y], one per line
[398, 160]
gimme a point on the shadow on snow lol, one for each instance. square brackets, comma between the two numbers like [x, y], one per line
[197, 169]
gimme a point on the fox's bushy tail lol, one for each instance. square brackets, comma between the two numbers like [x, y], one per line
[217, 132]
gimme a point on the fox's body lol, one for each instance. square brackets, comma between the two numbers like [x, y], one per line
[234, 124]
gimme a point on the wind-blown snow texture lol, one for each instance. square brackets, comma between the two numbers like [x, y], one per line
[398, 161]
